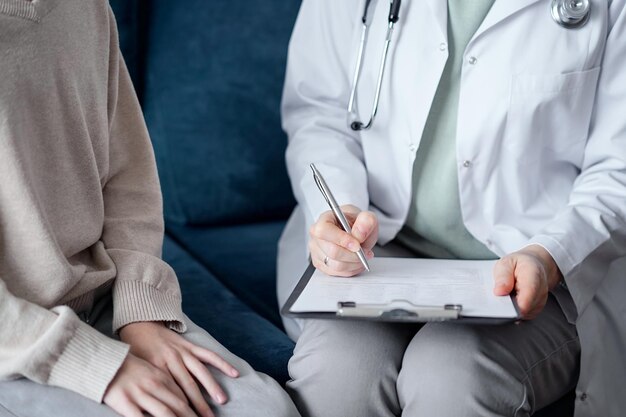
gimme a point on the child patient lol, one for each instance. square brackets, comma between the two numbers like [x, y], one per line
[86, 303]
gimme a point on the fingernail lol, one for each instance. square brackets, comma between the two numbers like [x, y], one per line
[221, 399]
[234, 373]
[353, 247]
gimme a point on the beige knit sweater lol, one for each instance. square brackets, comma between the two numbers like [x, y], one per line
[80, 204]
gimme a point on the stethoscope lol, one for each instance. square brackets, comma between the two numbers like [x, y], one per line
[570, 14]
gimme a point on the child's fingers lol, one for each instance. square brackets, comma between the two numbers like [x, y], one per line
[202, 374]
[215, 360]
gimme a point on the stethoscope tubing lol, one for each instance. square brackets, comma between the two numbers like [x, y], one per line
[394, 9]
[570, 14]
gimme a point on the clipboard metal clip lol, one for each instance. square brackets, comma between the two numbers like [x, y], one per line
[399, 310]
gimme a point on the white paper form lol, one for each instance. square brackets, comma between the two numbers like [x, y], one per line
[423, 282]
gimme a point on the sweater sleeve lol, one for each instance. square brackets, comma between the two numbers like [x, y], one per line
[54, 347]
[146, 288]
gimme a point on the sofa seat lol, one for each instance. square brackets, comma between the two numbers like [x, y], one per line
[242, 257]
[226, 317]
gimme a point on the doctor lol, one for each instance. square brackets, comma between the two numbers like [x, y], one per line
[500, 133]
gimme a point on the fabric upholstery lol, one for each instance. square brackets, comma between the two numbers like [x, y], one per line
[130, 18]
[214, 308]
[242, 257]
[211, 100]
[192, 108]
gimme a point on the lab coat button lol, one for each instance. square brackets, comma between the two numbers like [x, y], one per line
[472, 60]
[412, 147]
[467, 163]
[489, 243]
[583, 396]
[443, 46]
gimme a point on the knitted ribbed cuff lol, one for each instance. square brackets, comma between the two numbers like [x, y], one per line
[88, 363]
[19, 8]
[135, 301]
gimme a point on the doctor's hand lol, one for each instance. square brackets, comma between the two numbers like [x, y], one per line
[333, 251]
[531, 272]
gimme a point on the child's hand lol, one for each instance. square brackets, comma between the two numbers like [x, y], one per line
[139, 386]
[180, 360]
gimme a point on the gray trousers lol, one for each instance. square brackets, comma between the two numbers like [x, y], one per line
[367, 369]
[251, 394]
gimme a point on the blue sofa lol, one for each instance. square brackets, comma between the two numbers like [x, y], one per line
[209, 77]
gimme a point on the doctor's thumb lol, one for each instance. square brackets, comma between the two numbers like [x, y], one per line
[364, 225]
[504, 276]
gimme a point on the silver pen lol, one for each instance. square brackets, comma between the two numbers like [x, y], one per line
[341, 218]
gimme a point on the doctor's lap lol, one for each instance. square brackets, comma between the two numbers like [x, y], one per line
[375, 369]
[439, 369]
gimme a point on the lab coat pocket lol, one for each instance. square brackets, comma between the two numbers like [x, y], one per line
[550, 113]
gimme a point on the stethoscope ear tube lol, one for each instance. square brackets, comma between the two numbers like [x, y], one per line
[394, 11]
[365, 9]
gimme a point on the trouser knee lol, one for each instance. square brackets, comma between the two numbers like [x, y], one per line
[336, 362]
[445, 372]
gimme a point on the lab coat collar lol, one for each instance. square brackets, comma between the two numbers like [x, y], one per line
[440, 11]
[501, 10]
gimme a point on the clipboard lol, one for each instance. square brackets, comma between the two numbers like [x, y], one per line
[397, 311]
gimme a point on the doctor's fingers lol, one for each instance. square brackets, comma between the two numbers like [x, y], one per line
[530, 305]
[365, 229]
[364, 225]
[336, 268]
[333, 267]
[504, 276]
[338, 253]
[331, 232]
[520, 273]
[531, 293]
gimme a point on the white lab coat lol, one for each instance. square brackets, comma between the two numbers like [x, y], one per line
[541, 146]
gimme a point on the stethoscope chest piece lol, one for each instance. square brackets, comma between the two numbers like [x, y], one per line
[570, 14]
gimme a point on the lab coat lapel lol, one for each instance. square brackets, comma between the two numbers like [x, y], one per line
[501, 10]
[439, 8]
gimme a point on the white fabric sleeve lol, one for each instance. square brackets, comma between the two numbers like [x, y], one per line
[315, 99]
[586, 236]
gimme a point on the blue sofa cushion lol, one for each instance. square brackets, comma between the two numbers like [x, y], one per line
[130, 18]
[213, 307]
[242, 257]
[211, 100]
